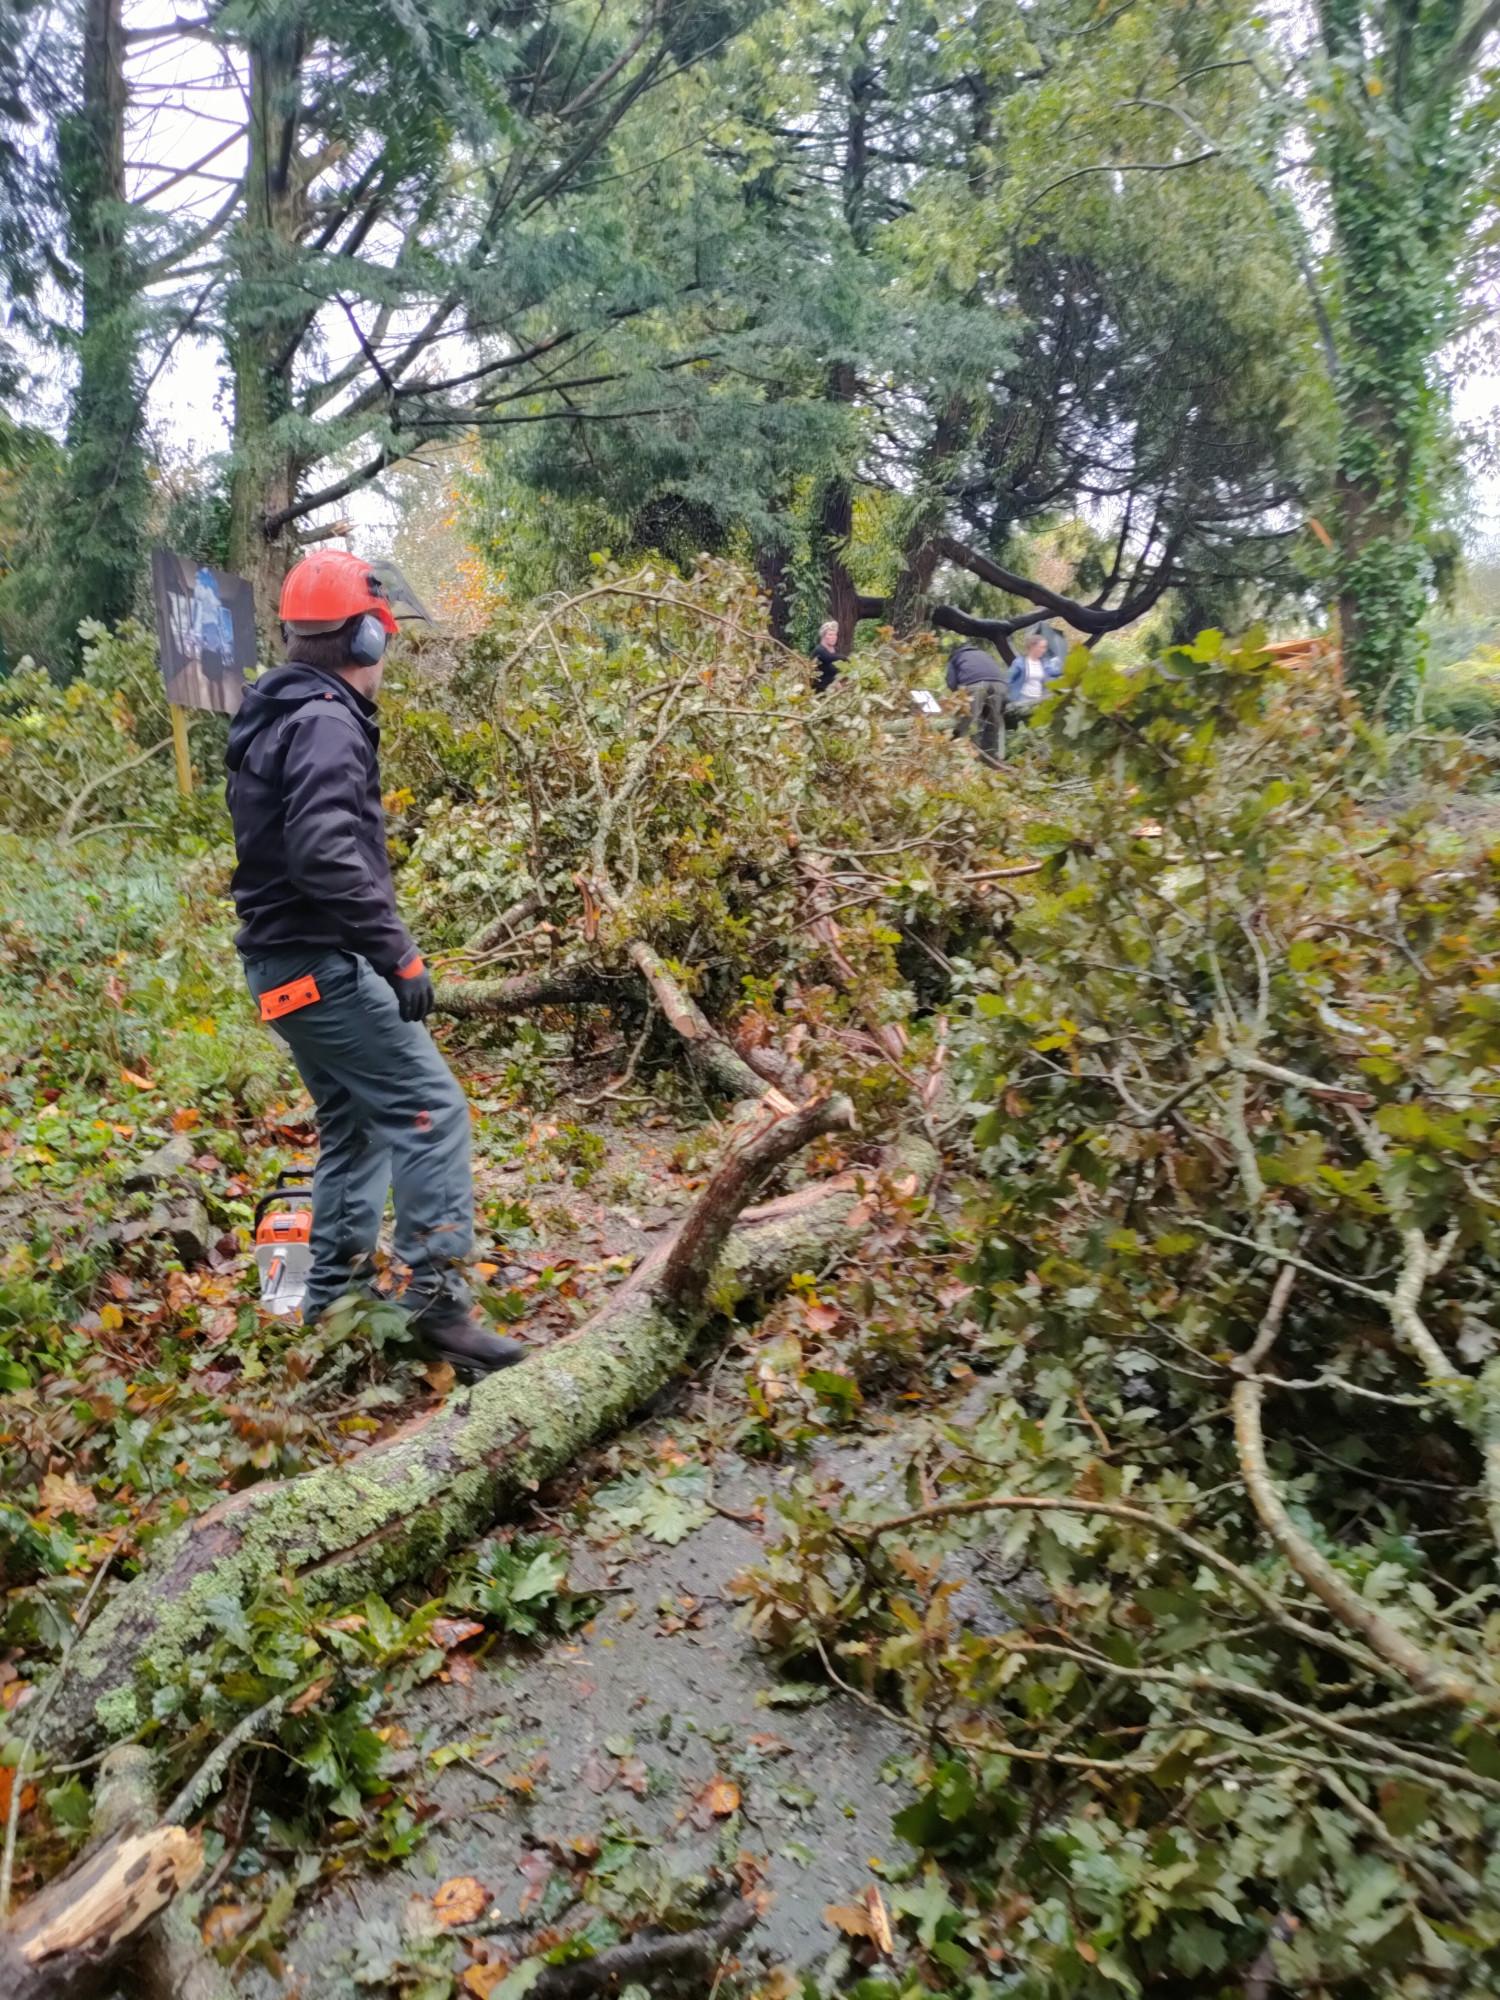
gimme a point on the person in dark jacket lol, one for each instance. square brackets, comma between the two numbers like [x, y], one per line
[335, 971]
[977, 673]
[827, 655]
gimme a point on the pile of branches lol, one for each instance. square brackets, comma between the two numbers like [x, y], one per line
[1239, 1492]
[675, 827]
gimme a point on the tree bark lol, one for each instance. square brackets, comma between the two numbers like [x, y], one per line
[392, 1513]
[555, 986]
[774, 571]
[1094, 619]
[833, 530]
[101, 520]
[266, 317]
[920, 552]
[498, 929]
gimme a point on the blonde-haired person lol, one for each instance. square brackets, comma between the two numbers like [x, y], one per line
[827, 656]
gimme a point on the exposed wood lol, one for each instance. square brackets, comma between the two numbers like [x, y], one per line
[62, 1940]
[169, 1960]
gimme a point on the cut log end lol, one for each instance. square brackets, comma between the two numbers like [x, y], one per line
[83, 1921]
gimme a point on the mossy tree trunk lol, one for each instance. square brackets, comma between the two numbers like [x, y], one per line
[101, 526]
[267, 317]
[346, 1530]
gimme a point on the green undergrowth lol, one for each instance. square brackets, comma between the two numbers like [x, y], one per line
[1233, 1086]
[1200, 1000]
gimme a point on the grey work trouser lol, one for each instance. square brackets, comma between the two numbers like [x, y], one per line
[390, 1113]
[986, 718]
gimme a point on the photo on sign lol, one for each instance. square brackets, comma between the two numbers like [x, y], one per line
[205, 627]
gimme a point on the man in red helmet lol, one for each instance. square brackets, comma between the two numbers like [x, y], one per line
[335, 971]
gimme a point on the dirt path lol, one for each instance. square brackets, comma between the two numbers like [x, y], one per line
[656, 1747]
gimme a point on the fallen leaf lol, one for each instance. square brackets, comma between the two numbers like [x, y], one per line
[880, 1922]
[820, 1318]
[718, 1799]
[634, 1776]
[134, 1077]
[536, 1868]
[599, 1773]
[7, 1787]
[439, 1376]
[459, 1901]
[61, 1494]
[481, 1980]
[451, 1632]
[185, 1119]
[769, 1745]
[460, 1670]
[227, 1921]
[310, 1695]
[750, 1870]
[850, 1918]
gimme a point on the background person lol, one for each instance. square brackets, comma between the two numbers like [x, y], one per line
[827, 655]
[1032, 673]
[979, 675]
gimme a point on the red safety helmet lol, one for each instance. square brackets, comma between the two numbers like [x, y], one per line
[328, 588]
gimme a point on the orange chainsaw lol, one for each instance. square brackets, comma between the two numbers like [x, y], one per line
[283, 1256]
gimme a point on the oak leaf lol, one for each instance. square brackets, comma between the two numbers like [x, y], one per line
[60, 1493]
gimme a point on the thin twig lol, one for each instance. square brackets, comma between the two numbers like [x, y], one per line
[43, 1703]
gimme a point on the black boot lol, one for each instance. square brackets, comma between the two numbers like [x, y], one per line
[459, 1335]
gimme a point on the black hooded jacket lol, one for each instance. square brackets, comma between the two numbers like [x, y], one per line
[970, 666]
[309, 829]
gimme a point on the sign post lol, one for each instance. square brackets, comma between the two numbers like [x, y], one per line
[180, 749]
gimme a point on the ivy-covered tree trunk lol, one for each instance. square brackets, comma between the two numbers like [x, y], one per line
[266, 320]
[1395, 171]
[101, 525]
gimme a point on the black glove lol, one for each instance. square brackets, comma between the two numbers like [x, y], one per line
[412, 985]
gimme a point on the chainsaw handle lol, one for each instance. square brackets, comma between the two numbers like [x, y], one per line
[282, 1189]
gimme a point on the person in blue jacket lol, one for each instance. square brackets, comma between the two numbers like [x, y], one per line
[1031, 676]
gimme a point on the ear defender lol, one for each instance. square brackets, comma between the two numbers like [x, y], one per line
[367, 641]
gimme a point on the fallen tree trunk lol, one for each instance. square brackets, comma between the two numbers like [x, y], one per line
[391, 1514]
[555, 986]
